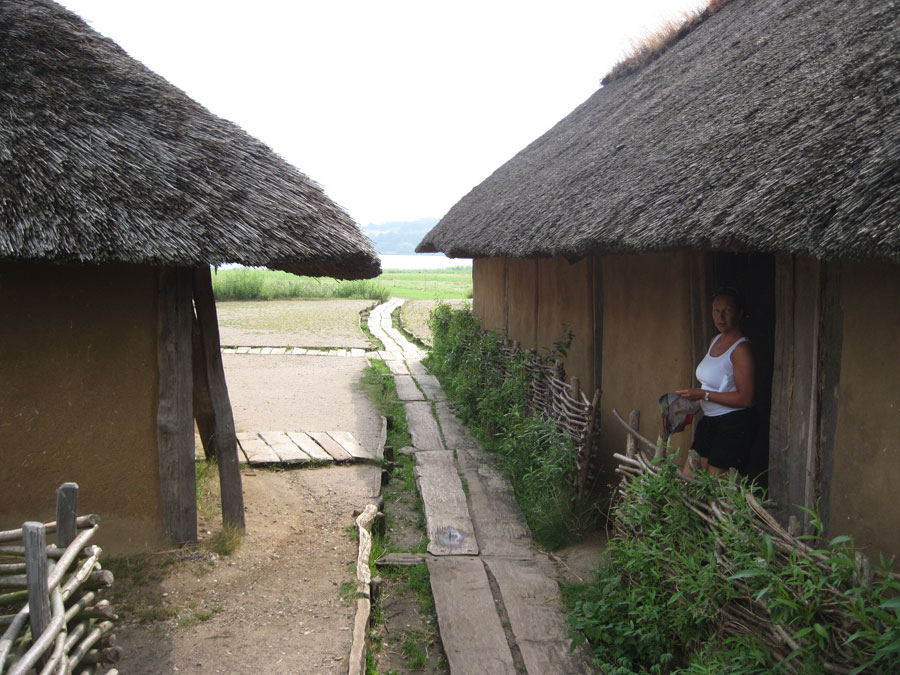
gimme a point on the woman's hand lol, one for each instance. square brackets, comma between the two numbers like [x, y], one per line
[691, 394]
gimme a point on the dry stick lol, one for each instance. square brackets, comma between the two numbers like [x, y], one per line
[82, 649]
[81, 523]
[43, 642]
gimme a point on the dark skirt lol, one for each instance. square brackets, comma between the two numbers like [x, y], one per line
[725, 440]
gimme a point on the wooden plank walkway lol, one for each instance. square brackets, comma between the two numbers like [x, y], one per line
[299, 448]
[471, 631]
[449, 527]
[422, 426]
[407, 389]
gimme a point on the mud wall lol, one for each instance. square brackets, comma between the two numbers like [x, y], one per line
[867, 439]
[489, 292]
[647, 345]
[78, 365]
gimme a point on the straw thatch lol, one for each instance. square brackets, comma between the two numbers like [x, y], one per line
[101, 160]
[772, 126]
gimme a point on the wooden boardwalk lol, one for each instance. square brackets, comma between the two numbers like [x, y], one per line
[483, 567]
[267, 448]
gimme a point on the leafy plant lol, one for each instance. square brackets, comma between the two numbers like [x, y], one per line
[487, 387]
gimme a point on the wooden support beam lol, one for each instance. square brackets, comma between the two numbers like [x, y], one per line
[174, 419]
[203, 412]
[223, 438]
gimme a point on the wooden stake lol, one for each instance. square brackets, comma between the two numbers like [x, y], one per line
[36, 572]
[634, 421]
[224, 440]
[66, 513]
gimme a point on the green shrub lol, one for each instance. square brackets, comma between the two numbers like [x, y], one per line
[537, 456]
[659, 601]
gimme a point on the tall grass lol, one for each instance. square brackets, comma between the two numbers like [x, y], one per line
[260, 284]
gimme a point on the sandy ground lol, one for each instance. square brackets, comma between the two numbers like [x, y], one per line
[279, 604]
[292, 323]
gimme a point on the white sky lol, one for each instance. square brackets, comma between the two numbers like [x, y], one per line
[397, 108]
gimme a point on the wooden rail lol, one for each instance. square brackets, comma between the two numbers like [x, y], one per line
[62, 627]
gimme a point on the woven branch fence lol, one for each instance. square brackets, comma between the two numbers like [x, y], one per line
[747, 613]
[564, 404]
[63, 626]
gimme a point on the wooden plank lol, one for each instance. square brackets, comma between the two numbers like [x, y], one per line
[456, 435]
[532, 603]
[288, 451]
[499, 525]
[431, 387]
[401, 559]
[422, 426]
[174, 417]
[350, 444]
[407, 389]
[331, 446]
[34, 538]
[309, 446]
[258, 452]
[397, 367]
[449, 527]
[223, 440]
[471, 632]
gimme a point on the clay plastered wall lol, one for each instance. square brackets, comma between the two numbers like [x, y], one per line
[522, 301]
[867, 441]
[646, 340]
[79, 397]
[565, 301]
[489, 292]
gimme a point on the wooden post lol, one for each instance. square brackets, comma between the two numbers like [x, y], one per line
[203, 412]
[634, 421]
[66, 513]
[575, 388]
[36, 572]
[174, 419]
[588, 443]
[223, 438]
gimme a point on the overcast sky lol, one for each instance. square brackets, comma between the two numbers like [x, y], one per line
[397, 108]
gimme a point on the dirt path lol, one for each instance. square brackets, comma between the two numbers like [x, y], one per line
[280, 603]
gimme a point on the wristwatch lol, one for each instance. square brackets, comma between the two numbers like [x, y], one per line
[706, 398]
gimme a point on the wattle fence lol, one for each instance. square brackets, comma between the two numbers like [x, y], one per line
[59, 624]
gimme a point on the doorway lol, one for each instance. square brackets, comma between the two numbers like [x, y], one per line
[754, 275]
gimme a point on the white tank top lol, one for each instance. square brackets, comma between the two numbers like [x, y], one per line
[716, 373]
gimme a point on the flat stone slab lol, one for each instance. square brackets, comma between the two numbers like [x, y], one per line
[499, 524]
[422, 426]
[284, 447]
[309, 446]
[450, 530]
[470, 627]
[350, 444]
[407, 389]
[532, 603]
[331, 446]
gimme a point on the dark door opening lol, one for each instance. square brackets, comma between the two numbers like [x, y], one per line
[754, 275]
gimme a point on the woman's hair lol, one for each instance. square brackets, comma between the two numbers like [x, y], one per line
[729, 291]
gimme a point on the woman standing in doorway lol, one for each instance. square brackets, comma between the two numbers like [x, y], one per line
[725, 433]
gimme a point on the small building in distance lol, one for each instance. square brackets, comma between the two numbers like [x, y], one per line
[761, 148]
[117, 194]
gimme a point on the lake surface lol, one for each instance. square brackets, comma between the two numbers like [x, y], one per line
[421, 261]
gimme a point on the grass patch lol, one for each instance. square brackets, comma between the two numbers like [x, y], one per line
[413, 652]
[263, 284]
[378, 383]
[225, 541]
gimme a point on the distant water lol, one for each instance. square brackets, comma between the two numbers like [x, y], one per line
[421, 261]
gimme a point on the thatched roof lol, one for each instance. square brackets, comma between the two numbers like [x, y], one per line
[102, 160]
[773, 126]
